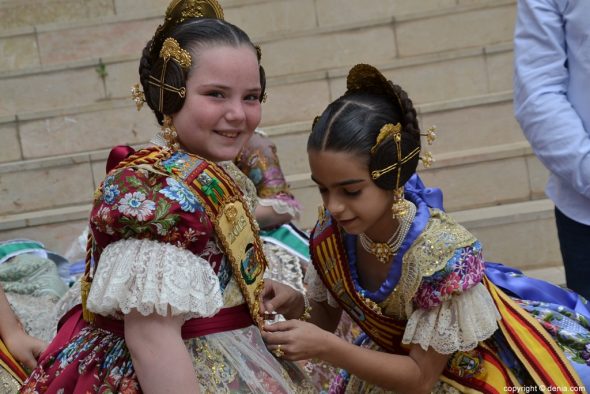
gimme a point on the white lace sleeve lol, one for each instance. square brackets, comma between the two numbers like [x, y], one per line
[316, 289]
[151, 276]
[457, 324]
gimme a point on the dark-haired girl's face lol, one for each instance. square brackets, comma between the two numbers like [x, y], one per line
[348, 192]
[222, 106]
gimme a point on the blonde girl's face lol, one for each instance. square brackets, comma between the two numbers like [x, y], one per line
[222, 106]
[348, 192]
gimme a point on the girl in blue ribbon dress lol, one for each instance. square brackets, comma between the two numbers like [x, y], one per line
[435, 317]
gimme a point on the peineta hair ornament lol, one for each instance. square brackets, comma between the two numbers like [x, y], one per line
[181, 10]
[171, 50]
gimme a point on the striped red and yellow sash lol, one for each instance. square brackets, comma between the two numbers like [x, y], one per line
[331, 262]
[532, 344]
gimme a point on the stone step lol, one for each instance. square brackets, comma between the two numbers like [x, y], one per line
[469, 180]
[521, 235]
[496, 149]
[294, 32]
[41, 136]
[299, 97]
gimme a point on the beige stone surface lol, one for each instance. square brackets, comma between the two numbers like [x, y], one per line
[295, 102]
[538, 176]
[266, 18]
[480, 184]
[525, 245]
[92, 42]
[500, 70]
[124, 7]
[16, 13]
[292, 151]
[45, 188]
[122, 76]
[38, 92]
[89, 131]
[310, 198]
[10, 146]
[338, 12]
[472, 127]
[477, 2]
[328, 50]
[455, 30]
[436, 81]
[56, 237]
[98, 173]
[18, 52]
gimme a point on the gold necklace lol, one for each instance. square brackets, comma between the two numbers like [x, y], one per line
[384, 251]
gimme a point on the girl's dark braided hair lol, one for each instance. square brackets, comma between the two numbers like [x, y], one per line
[353, 122]
[192, 35]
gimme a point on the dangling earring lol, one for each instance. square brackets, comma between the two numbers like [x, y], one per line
[170, 134]
[400, 206]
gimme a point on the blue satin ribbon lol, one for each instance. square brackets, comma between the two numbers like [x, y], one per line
[515, 283]
[432, 196]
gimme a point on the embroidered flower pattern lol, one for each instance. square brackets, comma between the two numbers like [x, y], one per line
[135, 204]
[463, 271]
[110, 191]
[176, 191]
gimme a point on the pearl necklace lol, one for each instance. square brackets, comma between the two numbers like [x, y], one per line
[384, 251]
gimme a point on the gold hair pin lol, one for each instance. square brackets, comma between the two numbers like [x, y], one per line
[171, 50]
[138, 96]
[389, 129]
[430, 135]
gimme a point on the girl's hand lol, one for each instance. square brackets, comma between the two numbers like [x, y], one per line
[298, 340]
[281, 298]
[25, 348]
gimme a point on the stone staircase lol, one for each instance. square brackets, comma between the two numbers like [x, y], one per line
[66, 67]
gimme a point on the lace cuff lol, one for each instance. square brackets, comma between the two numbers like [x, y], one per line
[151, 277]
[281, 206]
[316, 290]
[456, 324]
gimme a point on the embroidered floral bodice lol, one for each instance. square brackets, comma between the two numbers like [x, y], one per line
[156, 248]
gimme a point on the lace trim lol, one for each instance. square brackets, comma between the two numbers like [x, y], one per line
[457, 324]
[429, 253]
[281, 206]
[316, 290]
[152, 277]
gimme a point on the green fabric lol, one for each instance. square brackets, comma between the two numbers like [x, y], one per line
[17, 247]
[287, 238]
[31, 275]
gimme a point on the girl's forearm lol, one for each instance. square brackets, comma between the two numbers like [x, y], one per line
[8, 321]
[159, 355]
[414, 373]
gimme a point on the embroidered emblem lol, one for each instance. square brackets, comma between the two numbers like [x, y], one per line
[250, 266]
[231, 213]
[467, 364]
[211, 187]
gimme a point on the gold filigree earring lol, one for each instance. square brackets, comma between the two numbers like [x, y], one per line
[170, 134]
[400, 206]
